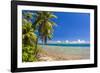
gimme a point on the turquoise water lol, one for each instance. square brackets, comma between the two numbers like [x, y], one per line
[70, 45]
[82, 50]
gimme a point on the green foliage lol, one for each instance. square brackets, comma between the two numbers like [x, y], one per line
[28, 35]
[28, 15]
[44, 27]
[28, 54]
[28, 39]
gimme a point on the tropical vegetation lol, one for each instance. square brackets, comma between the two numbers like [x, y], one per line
[35, 25]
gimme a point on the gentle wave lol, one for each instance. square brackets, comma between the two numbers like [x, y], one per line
[70, 45]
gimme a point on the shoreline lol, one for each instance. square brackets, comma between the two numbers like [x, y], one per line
[55, 53]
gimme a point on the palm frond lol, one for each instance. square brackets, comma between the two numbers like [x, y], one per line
[52, 16]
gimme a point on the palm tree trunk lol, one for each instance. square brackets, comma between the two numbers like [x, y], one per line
[35, 51]
[43, 44]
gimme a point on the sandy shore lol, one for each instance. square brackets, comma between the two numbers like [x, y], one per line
[55, 53]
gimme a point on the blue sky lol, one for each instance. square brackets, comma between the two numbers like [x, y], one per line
[71, 26]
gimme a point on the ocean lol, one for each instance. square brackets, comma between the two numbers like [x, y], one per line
[69, 45]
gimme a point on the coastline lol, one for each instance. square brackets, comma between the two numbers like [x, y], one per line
[56, 53]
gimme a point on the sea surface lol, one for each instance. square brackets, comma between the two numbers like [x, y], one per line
[69, 45]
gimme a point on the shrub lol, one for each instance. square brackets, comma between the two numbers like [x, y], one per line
[28, 54]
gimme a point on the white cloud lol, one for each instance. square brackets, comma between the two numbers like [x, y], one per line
[58, 41]
[78, 41]
[67, 41]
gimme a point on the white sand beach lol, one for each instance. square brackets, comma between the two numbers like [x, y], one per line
[58, 53]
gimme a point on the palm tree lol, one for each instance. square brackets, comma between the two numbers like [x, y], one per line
[28, 35]
[44, 25]
[28, 38]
